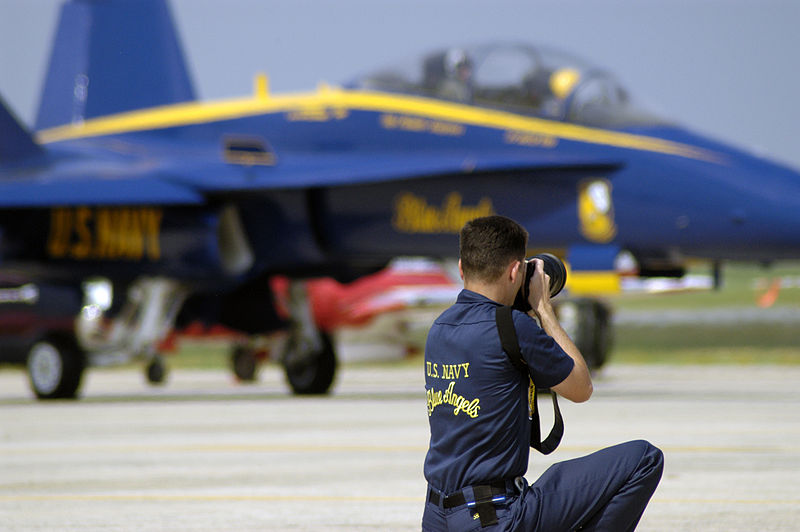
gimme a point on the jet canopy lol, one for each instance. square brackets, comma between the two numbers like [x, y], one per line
[521, 78]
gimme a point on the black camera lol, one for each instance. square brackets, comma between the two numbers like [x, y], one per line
[552, 267]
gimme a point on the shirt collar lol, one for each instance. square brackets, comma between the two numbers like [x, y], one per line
[468, 296]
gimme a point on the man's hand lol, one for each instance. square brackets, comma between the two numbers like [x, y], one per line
[539, 289]
[577, 386]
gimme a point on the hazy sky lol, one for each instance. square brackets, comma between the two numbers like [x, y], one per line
[728, 68]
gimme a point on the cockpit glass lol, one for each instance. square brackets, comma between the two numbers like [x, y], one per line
[501, 67]
[526, 79]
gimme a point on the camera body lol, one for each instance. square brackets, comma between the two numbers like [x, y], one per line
[553, 266]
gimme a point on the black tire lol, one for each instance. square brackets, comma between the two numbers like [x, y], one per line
[588, 322]
[55, 367]
[244, 363]
[156, 371]
[313, 374]
[604, 336]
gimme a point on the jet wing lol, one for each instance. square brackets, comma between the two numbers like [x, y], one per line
[46, 187]
[190, 180]
[320, 169]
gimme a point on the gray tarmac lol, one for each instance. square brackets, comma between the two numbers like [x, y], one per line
[205, 453]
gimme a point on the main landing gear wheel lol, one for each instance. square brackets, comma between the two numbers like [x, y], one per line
[55, 368]
[313, 372]
[588, 323]
[245, 363]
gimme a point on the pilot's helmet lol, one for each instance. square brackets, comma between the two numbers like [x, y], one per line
[562, 82]
[457, 63]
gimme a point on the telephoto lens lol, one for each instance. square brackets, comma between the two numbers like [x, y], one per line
[552, 267]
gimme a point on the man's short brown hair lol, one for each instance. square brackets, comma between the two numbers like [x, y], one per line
[488, 244]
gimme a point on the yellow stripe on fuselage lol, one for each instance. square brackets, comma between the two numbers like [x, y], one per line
[187, 114]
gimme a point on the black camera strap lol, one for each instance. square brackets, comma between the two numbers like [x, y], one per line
[510, 343]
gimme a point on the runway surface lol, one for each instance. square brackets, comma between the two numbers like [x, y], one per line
[207, 454]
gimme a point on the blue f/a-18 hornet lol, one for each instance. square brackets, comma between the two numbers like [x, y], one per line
[188, 208]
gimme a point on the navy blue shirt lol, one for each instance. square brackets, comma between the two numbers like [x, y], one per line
[477, 400]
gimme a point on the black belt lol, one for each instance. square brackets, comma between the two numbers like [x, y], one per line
[483, 504]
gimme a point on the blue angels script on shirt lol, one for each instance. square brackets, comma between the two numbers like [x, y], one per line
[446, 395]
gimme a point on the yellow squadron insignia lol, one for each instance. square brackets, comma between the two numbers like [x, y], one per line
[596, 210]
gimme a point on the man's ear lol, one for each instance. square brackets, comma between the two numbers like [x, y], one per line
[514, 270]
[460, 270]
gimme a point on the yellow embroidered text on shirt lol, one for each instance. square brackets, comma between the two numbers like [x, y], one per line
[449, 397]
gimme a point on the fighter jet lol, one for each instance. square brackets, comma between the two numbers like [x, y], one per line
[157, 208]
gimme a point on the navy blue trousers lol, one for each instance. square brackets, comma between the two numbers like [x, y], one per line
[604, 491]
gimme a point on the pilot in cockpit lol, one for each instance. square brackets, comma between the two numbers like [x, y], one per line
[457, 81]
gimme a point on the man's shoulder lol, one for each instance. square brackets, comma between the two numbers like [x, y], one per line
[524, 321]
[520, 319]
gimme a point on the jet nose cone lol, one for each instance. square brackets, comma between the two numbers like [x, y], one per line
[769, 209]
